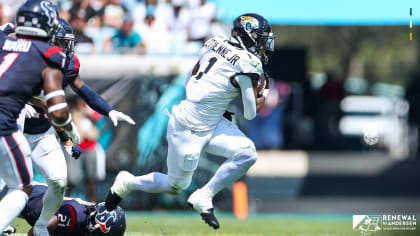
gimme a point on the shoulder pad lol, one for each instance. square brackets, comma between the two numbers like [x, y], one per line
[53, 55]
[250, 64]
[218, 39]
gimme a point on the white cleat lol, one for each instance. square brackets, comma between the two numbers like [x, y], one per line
[119, 190]
[121, 185]
[40, 230]
[201, 201]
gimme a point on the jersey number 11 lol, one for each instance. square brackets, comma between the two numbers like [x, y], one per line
[211, 63]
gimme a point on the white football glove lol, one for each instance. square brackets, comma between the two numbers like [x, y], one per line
[115, 116]
[68, 152]
[73, 134]
[29, 111]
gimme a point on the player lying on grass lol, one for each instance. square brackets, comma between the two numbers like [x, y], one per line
[226, 68]
[75, 217]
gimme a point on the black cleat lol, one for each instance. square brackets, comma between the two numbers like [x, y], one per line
[9, 230]
[111, 201]
[208, 217]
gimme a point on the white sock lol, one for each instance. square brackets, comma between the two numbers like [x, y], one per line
[11, 206]
[231, 170]
[51, 203]
[154, 182]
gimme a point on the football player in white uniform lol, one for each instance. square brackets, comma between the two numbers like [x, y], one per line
[226, 68]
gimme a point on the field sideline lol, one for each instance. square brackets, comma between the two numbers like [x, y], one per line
[162, 223]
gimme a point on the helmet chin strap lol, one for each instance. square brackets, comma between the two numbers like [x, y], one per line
[240, 42]
[237, 38]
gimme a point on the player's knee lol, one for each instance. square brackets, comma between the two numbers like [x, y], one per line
[179, 185]
[28, 190]
[247, 156]
[247, 153]
[57, 184]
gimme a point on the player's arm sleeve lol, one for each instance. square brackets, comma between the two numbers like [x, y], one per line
[94, 100]
[248, 96]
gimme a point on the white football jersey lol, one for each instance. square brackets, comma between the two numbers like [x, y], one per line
[209, 91]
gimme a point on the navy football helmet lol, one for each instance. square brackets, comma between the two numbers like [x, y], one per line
[36, 18]
[254, 34]
[64, 38]
[102, 222]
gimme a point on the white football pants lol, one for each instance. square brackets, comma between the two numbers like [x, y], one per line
[48, 159]
[16, 171]
[226, 140]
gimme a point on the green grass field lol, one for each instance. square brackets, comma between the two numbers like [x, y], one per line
[190, 224]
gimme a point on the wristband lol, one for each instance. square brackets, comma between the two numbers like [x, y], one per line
[62, 124]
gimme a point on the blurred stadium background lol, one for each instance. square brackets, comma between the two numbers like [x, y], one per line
[340, 131]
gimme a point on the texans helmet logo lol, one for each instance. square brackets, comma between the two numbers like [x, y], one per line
[49, 12]
[105, 219]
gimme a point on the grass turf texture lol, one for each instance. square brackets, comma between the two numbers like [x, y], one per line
[190, 224]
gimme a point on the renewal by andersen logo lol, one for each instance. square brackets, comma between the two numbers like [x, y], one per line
[369, 224]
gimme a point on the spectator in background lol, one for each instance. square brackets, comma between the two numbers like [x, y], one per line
[4, 14]
[201, 18]
[125, 40]
[87, 165]
[81, 9]
[178, 21]
[83, 44]
[332, 92]
[329, 113]
[129, 5]
[178, 18]
[113, 13]
[153, 32]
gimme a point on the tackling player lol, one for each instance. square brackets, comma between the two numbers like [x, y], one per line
[47, 155]
[226, 68]
[28, 66]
